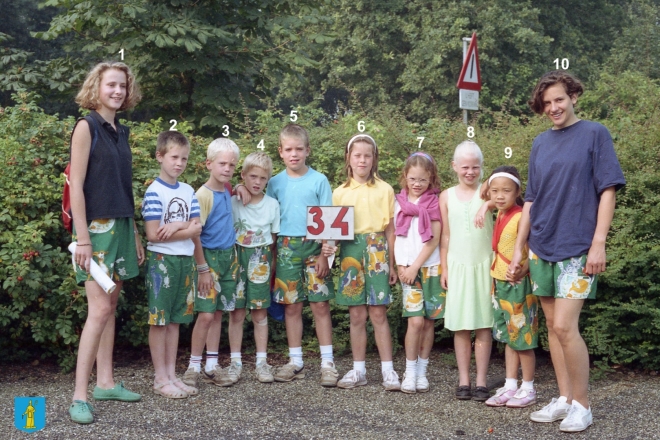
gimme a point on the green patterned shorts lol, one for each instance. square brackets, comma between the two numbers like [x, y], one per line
[425, 297]
[171, 286]
[253, 286]
[564, 279]
[365, 271]
[113, 247]
[223, 264]
[295, 272]
[516, 314]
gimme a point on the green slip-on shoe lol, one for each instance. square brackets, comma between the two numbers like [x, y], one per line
[116, 393]
[81, 412]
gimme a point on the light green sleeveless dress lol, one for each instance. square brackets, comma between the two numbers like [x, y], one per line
[469, 257]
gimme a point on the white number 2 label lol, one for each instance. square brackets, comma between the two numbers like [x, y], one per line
[173, 127]
[330, 222]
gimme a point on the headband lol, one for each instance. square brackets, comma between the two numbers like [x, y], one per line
[508, 175]
[421, 153]
[354, 138]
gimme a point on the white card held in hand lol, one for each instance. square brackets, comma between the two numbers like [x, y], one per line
[96, 272]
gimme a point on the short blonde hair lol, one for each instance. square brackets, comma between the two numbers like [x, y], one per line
[259, 160]
[221, 145]
[294, 131]
[168, 139]
[88, 96]
[469, 149]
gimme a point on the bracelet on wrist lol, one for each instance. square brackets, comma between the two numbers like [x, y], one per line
[201, 268]
[84, 244]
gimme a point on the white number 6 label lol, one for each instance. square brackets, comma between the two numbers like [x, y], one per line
[330, 222]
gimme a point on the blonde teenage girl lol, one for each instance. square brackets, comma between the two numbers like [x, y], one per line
[102, 209]
[418, 225]
[465, 255]
[366, 261]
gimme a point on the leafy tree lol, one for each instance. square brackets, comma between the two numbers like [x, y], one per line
[637, 47]
[200, 61]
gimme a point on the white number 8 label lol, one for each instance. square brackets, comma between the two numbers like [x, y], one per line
[470, 132]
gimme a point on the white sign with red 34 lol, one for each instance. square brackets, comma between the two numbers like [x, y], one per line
[330, 222]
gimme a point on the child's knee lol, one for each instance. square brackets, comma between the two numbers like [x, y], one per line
[260, 322]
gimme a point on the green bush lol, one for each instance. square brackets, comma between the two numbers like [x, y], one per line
[41, 308]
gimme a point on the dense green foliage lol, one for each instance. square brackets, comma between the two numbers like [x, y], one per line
[391, 64]
[40, 306]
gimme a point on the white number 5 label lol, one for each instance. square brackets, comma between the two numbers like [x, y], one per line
[330, 222]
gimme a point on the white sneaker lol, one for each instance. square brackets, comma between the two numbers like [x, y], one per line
[391, 381]
[578, 419]
[555, 410]
[352, 379]
[422, 384]
[264, 373]
[409, 384]
[234, 371]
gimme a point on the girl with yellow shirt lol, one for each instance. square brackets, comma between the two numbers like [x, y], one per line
[516, 307]
[367, 262]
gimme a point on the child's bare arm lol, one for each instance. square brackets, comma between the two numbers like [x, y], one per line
[487, 207]
[444, 239]
[389, 235]
[408, 274]
[521, 242]
[204, 277]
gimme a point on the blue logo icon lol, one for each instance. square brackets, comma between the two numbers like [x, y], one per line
[30, 413]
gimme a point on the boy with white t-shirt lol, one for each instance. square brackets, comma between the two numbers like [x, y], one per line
[171, 215]
[257, 225]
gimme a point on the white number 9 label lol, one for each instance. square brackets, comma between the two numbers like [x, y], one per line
[508, 152]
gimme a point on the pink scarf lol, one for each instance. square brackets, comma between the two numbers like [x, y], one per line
[427, 209]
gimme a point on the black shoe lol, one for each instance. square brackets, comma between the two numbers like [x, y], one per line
[463, 392]
[480, 394]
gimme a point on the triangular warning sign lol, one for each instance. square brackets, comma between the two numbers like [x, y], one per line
[470, 77]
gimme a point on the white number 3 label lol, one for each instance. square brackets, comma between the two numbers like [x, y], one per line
[330, 222]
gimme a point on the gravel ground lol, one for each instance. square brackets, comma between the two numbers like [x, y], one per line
[625, 405]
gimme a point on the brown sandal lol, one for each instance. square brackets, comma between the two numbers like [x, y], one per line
[177, 394]
[191, 391]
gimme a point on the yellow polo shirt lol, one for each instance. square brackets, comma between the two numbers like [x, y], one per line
[374, 204]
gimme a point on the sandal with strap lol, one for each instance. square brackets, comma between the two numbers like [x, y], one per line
[191, 391]
[178, 393]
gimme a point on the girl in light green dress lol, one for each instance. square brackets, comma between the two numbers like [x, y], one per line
[465, 248]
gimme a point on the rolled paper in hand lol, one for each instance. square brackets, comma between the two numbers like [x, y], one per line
[95, 271]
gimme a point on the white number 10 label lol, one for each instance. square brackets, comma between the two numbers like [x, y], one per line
[330, 222]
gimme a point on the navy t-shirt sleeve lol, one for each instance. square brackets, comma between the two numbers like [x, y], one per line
[607, 170]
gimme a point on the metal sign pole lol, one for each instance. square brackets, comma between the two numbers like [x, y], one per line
[466, 41]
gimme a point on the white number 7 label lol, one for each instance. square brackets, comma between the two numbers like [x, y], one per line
[330, 222]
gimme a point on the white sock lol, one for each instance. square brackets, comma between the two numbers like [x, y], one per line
[360, 366]
[411, 367]
[326, 355]
[295, 356]
[563, 401]
[422, 364]
[236, 358]
[261, 357]
[527, 385]
[196, 363]
[579, 405]
[511, 383]
[386, 366]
